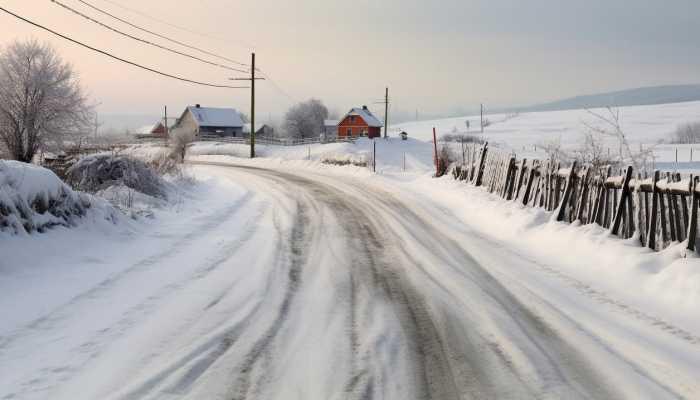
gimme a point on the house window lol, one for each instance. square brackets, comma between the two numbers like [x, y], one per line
[352, 119]
[349, 132]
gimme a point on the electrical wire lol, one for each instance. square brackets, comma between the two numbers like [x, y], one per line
[160, 35]
[138, 39]
[205, 35]
[155, 71]
[277, 87]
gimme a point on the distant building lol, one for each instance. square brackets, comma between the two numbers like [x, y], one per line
[264, 130]
[329, 130]
[207, 121]
[359, 122]
[156, 131]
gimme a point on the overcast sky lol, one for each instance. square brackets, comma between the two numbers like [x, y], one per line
[436, 56]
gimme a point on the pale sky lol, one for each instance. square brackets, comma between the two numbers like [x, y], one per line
[436, 56]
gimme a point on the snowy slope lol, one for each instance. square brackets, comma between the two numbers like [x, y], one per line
[522, 133]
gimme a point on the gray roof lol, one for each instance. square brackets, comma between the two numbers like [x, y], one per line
[216, 117]
[366, 115]
[331, 122]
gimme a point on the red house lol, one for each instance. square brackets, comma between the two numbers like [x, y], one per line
[359, 122]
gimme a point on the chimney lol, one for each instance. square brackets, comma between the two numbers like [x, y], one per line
[198, 106]
[364, 108]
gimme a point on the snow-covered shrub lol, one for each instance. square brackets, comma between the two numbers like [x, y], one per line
[461, 138]
[346, 159]
[446, 157]
[34, 199]
[98, 172]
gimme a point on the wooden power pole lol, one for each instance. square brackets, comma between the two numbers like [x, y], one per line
[482, 118]
[252, 80]
[386, 113]
[165, 124]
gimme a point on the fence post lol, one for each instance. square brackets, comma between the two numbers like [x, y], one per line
[510, 176]
[521, 173]
[374, 156]
[528, 189]
[615, 229]
[567, 193]
[693, 222]
[584, 195]
[479, 175]
[651, 234]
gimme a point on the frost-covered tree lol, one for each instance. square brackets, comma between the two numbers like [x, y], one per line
[180, 139]
[687, 133]
[305, 119]
[42, 104]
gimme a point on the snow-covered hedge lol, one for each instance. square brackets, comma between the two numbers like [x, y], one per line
[99, 172]
[34, 199]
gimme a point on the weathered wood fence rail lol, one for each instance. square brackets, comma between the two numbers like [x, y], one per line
[658, 211]
[275, 141]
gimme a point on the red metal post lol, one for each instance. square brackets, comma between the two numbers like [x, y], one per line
[437, 162]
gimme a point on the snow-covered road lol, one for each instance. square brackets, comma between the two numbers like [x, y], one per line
[311, 286]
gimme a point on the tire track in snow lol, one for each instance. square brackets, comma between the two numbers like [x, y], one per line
[245, 387]
[565, 363]
[432, 376]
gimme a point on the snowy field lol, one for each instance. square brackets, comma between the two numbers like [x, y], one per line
[524, 134]
[268, 271]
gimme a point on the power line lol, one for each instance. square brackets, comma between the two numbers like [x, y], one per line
[116, 57]
[89, 18]
[143, 14]
[266, 75]
[159, 35]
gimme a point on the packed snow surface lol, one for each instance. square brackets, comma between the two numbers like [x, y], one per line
[409, 287]
[286, 277]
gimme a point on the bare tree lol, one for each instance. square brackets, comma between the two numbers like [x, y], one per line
[612, 127]
[42, 105]
[554, 150]
[305, 119]
[593, 152]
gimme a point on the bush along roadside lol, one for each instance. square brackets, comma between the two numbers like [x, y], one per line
[34, 199]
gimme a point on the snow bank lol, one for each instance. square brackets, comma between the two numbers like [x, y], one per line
[665, 283]
[34, 199]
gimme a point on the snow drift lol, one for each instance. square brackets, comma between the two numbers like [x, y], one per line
[34, 199]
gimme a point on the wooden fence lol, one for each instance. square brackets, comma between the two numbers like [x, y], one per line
[274, 141]
[658, 211]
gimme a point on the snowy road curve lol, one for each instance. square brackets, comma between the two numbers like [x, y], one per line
[315, 287]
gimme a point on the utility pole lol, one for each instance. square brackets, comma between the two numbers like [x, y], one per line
[252, 80]
[252, 107]
[386, 113]
[482, 118]
[165, 124]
